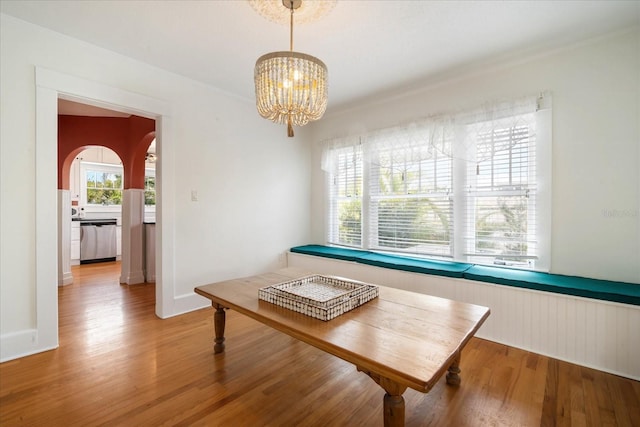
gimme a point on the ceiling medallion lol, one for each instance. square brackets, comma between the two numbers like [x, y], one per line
[309, 11]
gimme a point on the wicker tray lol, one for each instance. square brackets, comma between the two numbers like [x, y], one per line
[322, 297]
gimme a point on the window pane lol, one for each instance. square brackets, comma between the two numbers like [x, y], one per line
[150, 183]
[112, 197]
[91, 179]
[503, 158]
[346, 198]
[110, 180]
[502, 230]
[350, 222]
[104, 197]
[149, 197]
[416, 225]
[99, 179]
[501, 207]
[411, 203]
[94, 197]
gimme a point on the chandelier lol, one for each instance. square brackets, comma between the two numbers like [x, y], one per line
[291, 87]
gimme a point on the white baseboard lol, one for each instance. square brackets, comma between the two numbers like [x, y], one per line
[67, 279]
[188, 302]
[20, 344]
[133, 278]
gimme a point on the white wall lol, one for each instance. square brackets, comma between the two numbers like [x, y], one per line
[596, 138]
[253, 183]
[251, 180]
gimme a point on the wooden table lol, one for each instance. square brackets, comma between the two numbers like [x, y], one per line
[400, 339]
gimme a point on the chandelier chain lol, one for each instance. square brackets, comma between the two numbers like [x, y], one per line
[291, 28]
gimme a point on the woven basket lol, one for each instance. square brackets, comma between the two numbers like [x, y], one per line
[321, 297]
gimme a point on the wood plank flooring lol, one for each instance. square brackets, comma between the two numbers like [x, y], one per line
[120, 365]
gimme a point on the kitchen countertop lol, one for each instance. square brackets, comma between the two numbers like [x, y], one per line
[109, 220]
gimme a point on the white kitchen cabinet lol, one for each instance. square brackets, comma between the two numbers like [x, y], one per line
[150, 252]
[74, 180]
[75, 242]
[119, 241]
[93, 154]
[109, 156]
[100, 155]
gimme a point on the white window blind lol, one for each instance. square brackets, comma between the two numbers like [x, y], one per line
[465, 187]
[501, 212]
[410, 183]
[345, 218]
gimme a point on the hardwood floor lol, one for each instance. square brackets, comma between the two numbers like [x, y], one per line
[120, 365]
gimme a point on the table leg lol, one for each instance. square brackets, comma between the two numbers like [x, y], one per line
[393, 402]
[219, 319]
[453, 376]
[393, 410]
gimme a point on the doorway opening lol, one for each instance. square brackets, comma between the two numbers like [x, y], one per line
[50, 86]
[106, 167]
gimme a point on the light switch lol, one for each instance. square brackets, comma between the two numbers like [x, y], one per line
[194, 195]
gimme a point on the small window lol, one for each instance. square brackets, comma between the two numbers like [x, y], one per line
[103, 185]
[149, 188]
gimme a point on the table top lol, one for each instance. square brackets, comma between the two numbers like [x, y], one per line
[407, 337]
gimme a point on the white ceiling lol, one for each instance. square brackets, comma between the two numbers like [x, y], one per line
[370, 46]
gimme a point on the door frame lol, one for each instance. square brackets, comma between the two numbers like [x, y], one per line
[51, 85]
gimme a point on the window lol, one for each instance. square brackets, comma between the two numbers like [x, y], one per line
[102, 185]
[346, 196]
[410, 183]
[149, 187]
[501, 212]
[464, 187]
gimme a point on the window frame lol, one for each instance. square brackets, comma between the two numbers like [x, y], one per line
[108, 168]
[356, 194]
[86, 167]
[534, 190]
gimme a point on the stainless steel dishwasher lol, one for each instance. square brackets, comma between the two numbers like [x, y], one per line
[97, 240]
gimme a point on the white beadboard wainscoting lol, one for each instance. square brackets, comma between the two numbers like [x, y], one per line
[598, 334]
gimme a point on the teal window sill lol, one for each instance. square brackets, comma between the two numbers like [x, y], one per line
[627, 293]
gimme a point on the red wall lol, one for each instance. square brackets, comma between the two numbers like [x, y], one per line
[128, 137]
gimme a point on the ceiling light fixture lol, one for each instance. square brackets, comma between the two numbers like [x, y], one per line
[291, 87]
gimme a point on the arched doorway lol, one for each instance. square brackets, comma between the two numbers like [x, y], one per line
[94, 197]
[108, 183]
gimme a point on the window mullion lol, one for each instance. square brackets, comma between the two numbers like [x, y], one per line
[369, 209]
[461, 192]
